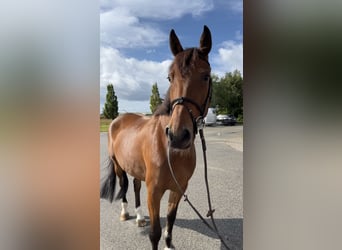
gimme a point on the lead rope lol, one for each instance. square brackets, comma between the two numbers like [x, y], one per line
[200, 125]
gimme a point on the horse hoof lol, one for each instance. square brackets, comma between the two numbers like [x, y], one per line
[124, 217]
[141, 223]
[166, 248]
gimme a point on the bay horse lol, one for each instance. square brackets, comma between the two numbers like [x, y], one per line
[141, 146]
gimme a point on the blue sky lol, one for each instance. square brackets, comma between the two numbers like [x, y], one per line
[135, 52]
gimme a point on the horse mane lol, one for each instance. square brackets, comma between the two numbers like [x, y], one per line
[185, 61]
[165, 107]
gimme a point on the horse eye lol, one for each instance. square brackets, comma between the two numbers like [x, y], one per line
[168, 78]
[206, 78]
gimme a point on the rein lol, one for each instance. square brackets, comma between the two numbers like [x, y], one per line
[199, 125]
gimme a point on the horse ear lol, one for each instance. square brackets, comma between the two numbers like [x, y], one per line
[175, 45]
[205, 41]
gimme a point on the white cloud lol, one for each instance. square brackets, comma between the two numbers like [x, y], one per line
[119, 28]
[229, 58]
[132, 78]
[121, 24]
[167, 9]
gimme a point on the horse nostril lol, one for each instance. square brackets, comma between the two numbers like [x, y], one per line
[180, 140]
[186, 135]
[169, 133]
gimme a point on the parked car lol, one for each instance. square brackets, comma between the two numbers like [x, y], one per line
[226, 120]
[210, 119]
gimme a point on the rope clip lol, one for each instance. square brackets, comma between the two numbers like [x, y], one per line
[200, 122]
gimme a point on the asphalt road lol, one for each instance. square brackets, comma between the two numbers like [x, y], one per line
[225, 175]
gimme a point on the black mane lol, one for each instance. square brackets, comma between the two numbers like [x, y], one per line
[164, 108]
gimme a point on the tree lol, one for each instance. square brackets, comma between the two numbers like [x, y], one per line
[110, 110]
[155, 99]
[227, 94]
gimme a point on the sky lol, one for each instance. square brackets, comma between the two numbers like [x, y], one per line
[135, 54]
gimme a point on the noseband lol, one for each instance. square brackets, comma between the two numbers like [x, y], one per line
[198, 122]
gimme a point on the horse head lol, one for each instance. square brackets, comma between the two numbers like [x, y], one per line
[190, 89]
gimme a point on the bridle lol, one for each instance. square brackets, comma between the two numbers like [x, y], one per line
[199, 120]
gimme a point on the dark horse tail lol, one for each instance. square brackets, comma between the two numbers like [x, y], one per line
[108, 186]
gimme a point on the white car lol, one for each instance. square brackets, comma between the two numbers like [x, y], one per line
[210, 119]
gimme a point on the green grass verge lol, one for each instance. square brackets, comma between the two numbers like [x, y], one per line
[104, 124]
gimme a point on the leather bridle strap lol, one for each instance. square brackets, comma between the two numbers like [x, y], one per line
[182, 100]
[198, 121]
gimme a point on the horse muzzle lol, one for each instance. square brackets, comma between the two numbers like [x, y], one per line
[180, 140]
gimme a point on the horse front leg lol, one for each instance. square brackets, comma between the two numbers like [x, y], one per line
[153, 201]
[174, 198]
[140, 220]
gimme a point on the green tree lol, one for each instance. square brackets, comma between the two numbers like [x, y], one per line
[155, 99]
[110, 110]
[227, 94]
[219, 94]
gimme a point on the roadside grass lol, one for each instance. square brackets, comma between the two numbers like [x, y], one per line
[104, 124]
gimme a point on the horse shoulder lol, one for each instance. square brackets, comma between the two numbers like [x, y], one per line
[155, 145]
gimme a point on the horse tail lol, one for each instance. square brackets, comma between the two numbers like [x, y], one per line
[124, 186]
[108, 186]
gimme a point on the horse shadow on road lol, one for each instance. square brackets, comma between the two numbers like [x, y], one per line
[230, 229]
